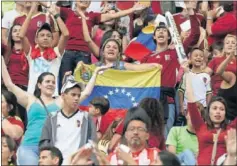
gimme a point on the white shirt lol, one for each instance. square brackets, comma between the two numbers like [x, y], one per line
[8, 18]
[68, 134]
[39, 65]
[201, 85]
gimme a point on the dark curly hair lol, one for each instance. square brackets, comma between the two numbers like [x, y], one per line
[155, 111]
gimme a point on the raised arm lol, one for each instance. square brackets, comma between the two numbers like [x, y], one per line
[93, 47]
[25, 42]
[193, 38]
[144, 66]
[15, 131]
[136, 7]
[195, 116]
[54, 11]
[22, 96]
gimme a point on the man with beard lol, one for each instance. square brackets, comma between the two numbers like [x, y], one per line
[136, 133]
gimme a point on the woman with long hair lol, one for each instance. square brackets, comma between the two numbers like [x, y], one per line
[211, 133]
[11, 123]
[17, 64]
[155, 111]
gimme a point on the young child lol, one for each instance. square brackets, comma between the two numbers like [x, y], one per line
[42, 57]
[98, 107]
[200, 81]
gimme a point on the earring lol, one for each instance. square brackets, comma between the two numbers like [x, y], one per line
[9, 160]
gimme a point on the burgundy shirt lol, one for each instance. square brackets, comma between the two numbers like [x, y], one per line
[15, 68]
[35, 23]
[74, 24]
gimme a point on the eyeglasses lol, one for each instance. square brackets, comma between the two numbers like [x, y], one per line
[139, 129]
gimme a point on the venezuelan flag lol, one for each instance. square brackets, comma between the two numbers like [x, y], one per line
[124, 89]
[142, 45]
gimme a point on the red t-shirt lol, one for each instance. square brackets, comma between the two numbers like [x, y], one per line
[179, 19]
[15, 121]
[224, 25]
[216, 80]
[206, 136]
[74, 24]
[169, 61]
[36, 22]
[15, 69]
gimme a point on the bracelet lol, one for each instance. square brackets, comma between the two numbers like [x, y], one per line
[209, 18]
[56, 16]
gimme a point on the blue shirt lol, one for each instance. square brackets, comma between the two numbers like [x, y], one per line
[36, 119]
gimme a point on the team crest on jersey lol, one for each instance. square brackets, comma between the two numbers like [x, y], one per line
[205, 80]
[167, 57]
[39, 24]
[86, 73]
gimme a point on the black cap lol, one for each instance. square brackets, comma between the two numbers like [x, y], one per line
[161, 25]
[45, 26]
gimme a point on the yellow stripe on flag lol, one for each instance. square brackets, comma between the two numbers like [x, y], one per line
[120, 78]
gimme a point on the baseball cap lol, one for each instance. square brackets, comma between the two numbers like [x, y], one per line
[70, 83]
[161, 25]
[45, 26]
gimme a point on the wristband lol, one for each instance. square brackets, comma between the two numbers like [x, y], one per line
[209, 18]
[56, 16]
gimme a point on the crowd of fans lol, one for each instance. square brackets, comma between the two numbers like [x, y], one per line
[192, 123]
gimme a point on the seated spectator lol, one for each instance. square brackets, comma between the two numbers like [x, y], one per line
[211, 132]
[183, 142]
[36, 22]
[226, 24]
[201, 82]
[50, 156]
[136, 134]
[98, 107]
[43, 57]
[166, 158]
[60, 130]
[8, 150]
[11, 124]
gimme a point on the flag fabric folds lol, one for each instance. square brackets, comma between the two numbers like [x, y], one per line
[142, 45]
[124, 89]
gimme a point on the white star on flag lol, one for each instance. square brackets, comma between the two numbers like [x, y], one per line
[133, 98]
[123, 90]
[116, 90]
[111, 92]
[128, 94]
[135, 104]
[106, 96]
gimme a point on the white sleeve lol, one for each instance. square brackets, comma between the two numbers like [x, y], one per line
[6, 21]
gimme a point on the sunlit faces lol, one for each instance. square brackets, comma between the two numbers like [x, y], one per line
[15, 33]
[111, 51]
[47, 86]
[44, 38]
[161, 35]
[83, 4]
[217, 112]
[197, 58]
[229, 44]
[4, 106]
[47, 159]
[93, 111]
[136, 134]
[72, 98]
[6, 153]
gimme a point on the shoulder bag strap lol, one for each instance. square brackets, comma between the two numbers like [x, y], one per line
[215, 147]
[42, 102]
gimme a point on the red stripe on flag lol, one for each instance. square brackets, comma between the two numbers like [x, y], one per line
[137, 51]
